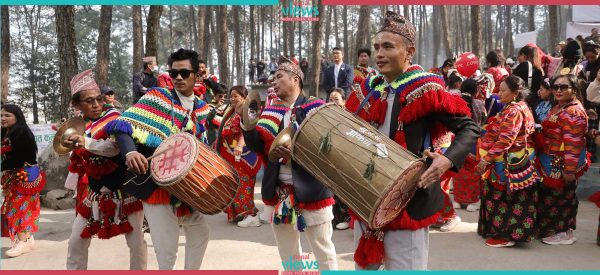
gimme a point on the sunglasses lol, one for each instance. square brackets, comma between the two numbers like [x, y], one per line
[184, 73]
[563, 87]
[92, 100]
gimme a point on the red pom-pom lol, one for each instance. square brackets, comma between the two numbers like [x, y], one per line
[94, 228]
[115, 230]
[595, 198]
[85, 233]
[126, 227]
[370, 250]
[400, 138]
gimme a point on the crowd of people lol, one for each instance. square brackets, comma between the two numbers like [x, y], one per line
[510, 142]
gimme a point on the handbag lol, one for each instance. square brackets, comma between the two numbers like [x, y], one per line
[520, 172]
[29, 180]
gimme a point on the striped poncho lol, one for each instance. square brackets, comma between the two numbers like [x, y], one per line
[158, 115]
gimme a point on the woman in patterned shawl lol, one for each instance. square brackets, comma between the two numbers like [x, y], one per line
[561, 162]
[507, 213]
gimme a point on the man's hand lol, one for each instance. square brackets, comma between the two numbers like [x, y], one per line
[481, 167]
[435, 171]
[136, 162]
[282, 151]
[76, 141]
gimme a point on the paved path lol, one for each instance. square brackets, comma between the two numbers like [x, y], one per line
[231, 247]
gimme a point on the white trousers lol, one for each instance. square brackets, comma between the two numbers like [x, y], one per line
[319, 238]
[77, 255]
[164, 231]
[404, 249]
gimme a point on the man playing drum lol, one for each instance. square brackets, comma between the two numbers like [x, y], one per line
[159, 114]
[294, 200]
[412, 108]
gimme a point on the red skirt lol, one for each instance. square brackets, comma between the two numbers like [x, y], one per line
[20, 212]
[467, 183]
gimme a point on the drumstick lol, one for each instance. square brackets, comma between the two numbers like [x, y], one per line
[156, 154]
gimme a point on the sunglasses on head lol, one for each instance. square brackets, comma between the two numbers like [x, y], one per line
[185, 73]
[563, 87]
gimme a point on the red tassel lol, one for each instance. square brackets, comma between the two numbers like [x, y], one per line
[107, 206]
[316, 205]
[84, 210]
[104, 233]
[271, 202]
[85, 233]
[183, 210]
[400, 138]
[132, 207]
[370, 250]
[126, 227]
[94, 228]
[595, 198]
[115, 230]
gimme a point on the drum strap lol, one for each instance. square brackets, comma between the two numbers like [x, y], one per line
[364, 101]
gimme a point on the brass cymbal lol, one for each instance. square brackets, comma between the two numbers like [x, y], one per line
[73, 126]
[251, 110]
[283, 138]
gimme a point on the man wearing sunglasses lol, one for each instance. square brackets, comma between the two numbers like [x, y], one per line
[139, 131]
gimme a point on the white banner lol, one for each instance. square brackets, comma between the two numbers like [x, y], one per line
[523, 39]
[43, 134]
[584, 29]
[586, 13]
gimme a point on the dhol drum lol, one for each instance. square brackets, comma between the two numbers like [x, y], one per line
[194, 173]
[371, 173]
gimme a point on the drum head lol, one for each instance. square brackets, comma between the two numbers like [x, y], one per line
[174, 158]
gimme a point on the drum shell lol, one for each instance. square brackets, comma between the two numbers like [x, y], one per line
[353, 146]
[207, 183]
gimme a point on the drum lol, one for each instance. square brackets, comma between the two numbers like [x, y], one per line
[372, 174]
[194, 173]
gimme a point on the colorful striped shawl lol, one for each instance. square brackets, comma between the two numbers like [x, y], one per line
[272, 115]
[149, 121]
[96, 129]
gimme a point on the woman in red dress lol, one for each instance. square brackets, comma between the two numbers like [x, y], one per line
[22, 182]
[231, 146]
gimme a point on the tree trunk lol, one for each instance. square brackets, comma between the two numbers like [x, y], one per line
[201, 29]
[335, 26]
[223, 48]
[436, 35]
[317, 30]
[476, 30]
[488, 27]
[252, 26]
[445, 32]
[553, 25]
[207, 50]
[327, 29]
[406, 9]
[32, 17]
[532, 18]
[508, 41]
[237, 36]
[153, 25]
[262, 32]
[138, 38]
[103, 46]
[5, 53]
[364, 23]
[194, 34]
[345, 34]
[67, 52]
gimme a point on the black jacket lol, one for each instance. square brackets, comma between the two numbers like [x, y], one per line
[307, 188]
[427, 202]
